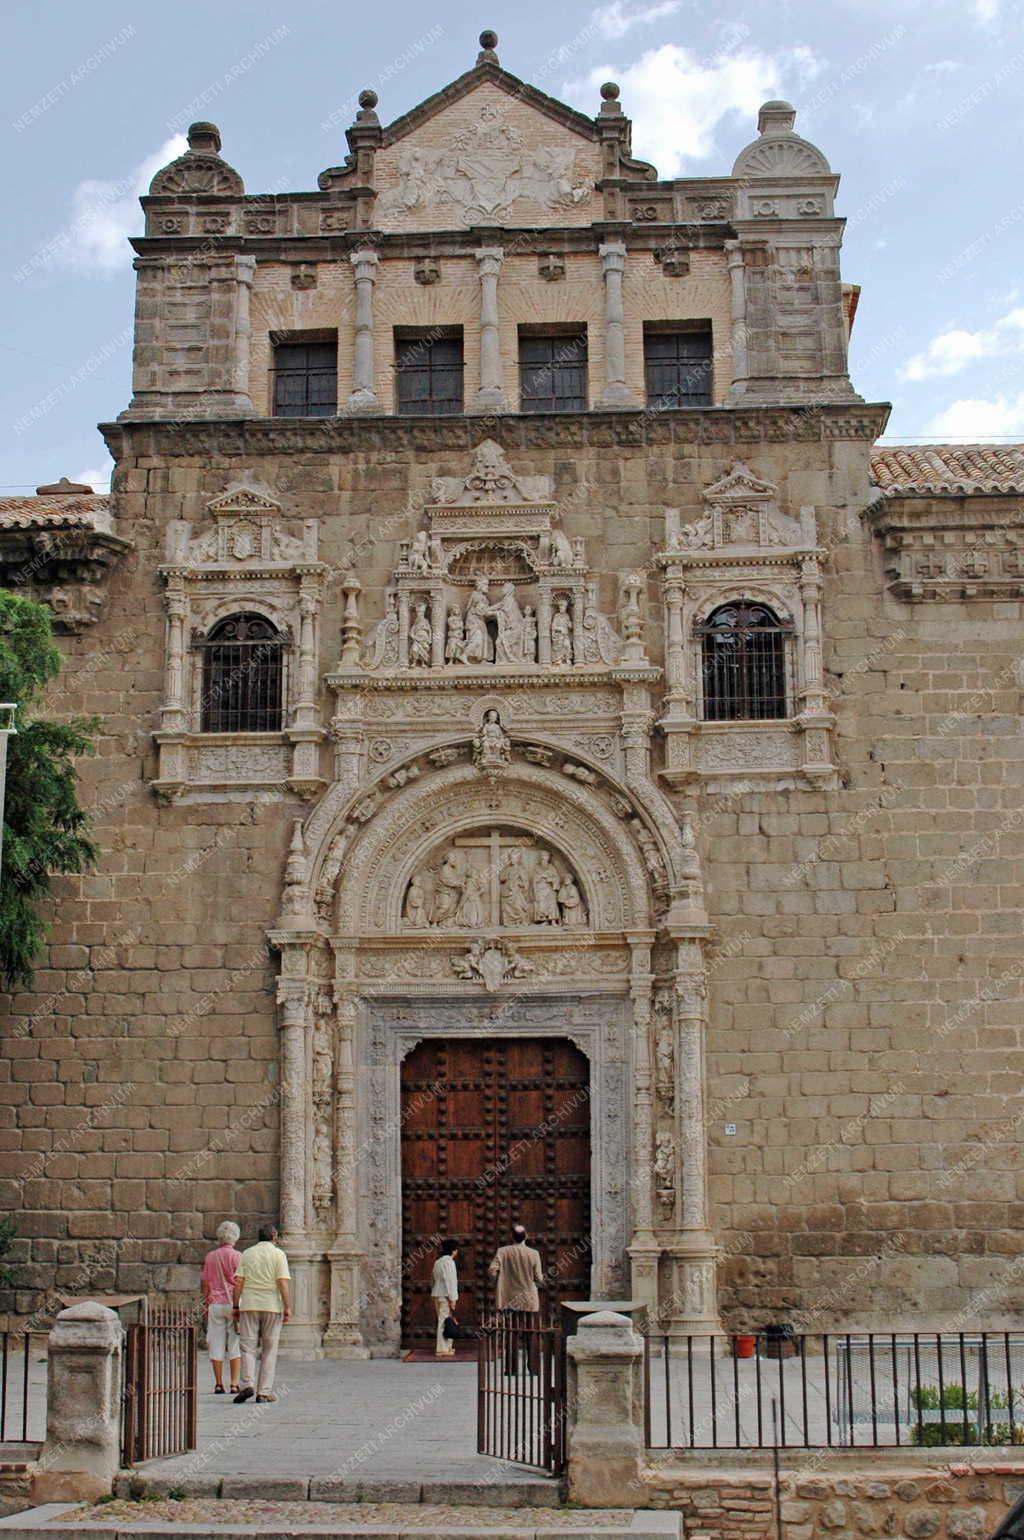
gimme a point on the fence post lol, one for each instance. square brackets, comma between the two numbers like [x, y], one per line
[82, 1451]
[605, 1412]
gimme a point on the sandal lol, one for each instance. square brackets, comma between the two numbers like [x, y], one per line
[218, 1390]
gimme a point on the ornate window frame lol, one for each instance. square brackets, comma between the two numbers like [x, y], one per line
[246, 562]
[745, 548]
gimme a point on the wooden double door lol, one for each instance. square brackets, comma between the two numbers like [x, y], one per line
[495, 1132]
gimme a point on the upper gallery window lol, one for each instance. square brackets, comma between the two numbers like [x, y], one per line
[243, 668]
[677, 364]
[306, 378]
[428, 372]
[743, 657]
[553, 371]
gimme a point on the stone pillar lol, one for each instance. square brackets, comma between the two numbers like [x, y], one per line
[364, 397]
[616, 392]
[675, 643]
[694, 1305]
[343, 1337]
[605, 1413]
[438, 621]
[82, 1451]
[306, 714]
[491, 395]
[812, 695]
[403, 628]
[738, 295]
[173, 716]
[643, 1249]
[245, 271]
[544, 626]
[292, 997]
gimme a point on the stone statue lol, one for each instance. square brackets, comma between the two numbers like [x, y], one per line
[561, 635]
[470, 913]
[436, 553]
[574, 912]
[665, 1056]
[509, 648]
[420, 637]
[665, 1170]
[453, 647]
[545, 892]
[561, 551]
[382, 649]
[478, 647]
[419, 552]
[492, 749]
[515, 892]
[529, 634]
[416, 905]
[448, 891]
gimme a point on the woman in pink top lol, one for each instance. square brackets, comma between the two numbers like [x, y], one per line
[218, 1280]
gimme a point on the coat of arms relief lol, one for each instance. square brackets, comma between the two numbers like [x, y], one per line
[484, 170]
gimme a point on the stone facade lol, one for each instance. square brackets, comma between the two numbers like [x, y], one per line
[788, 947]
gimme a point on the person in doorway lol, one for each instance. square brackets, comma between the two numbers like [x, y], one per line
[262, 1302]
[517, 1272]
[218, 1281]
[444, 1291]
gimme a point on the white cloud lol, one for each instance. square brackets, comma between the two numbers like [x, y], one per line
[942, 67]
[96, 476]
[985, 11]
[952, 351]
[972, 420]
[677, 101]
[104, 214]
[616, 19]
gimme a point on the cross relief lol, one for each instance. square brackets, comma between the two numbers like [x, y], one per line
[496, 880]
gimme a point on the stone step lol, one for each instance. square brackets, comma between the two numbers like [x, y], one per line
[230, 1519]
[523, 1489]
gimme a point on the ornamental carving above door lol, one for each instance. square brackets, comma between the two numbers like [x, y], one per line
[491, 879]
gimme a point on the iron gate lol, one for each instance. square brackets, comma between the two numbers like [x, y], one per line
[158, 1408]
[521, 1391]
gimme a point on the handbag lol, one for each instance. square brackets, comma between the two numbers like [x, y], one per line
[451, 1329]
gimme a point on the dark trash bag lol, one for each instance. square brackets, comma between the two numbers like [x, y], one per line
[451, 1329]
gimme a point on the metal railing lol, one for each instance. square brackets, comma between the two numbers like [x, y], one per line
[158, 1410]
[22, 1386]
[521, 1390]
[835, 1390]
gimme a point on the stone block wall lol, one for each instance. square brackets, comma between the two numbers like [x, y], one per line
[865, 1000]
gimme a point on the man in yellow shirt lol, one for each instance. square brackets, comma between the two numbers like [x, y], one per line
[262, 1304]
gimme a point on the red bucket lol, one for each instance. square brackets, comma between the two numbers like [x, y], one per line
[743, 1346]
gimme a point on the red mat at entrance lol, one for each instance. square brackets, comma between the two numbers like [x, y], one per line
[462, 1355]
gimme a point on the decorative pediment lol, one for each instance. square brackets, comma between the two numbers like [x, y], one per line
[742, 515]
[246, 534]
[779, 152]
[201, 170]
[490, 481]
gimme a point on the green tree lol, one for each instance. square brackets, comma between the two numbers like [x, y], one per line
[45, 830]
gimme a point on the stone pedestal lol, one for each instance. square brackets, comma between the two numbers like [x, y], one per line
[82, 1451]
[605, 1413]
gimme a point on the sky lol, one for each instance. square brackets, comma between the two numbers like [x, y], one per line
[918, 104]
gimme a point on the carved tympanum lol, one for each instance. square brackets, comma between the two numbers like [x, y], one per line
[495, 879]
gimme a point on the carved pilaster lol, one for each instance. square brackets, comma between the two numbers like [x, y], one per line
[173, 715]
[616, 392]
[343, 1337]
[643, 1249]
[293, 999]
[738, 296]
[364, 396]
[491, 395]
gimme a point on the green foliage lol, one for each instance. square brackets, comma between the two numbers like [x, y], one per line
[45, 830]
[6, 1237]
[940, 1433]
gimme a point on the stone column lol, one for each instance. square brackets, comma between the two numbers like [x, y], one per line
[292, 997]
[82, 1451]
[491, 395]
[616, 392]
[694, 1306]
[643, 1250]
[738, 295]
[403, 628]
[309, 608]
[675, 644]
[173, 716]
[364, 397]
[245, 272]
[812, 695]
[343, 1337]
[605, 1413]
[544, 626]
[438, 620]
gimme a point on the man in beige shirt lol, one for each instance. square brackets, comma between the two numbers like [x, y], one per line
[518, 1272]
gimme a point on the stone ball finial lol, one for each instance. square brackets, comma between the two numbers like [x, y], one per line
[776, 118]
[368, 99]
[610, 91]
[204, 139]
[489, 40]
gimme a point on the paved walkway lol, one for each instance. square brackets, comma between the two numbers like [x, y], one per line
[345, 1421]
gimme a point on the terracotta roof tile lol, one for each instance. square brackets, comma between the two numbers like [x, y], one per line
[949, 468]
[76, 511]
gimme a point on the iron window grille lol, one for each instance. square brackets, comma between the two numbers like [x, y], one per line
[306, 379]
[553, 372]
[677, 367]
[243, 676]
[428, 375]
[744, 663]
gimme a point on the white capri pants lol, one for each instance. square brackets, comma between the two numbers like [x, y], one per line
[221, 1333]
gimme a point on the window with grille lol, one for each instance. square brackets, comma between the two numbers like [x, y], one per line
[743, 656]
[243, 669]
[306, 378]
[677, 365]
[428, 374]
[553, 371]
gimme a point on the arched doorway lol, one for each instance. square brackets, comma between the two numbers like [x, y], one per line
[494, 1132]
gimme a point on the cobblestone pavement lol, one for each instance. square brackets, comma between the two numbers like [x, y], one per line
[345, 1421]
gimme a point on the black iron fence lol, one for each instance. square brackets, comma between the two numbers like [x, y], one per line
[521, 1390]
[835, 1390]
[23, 1386]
